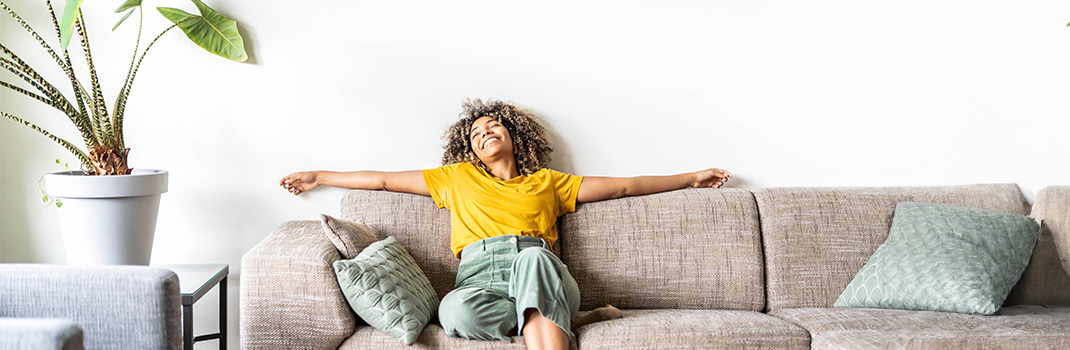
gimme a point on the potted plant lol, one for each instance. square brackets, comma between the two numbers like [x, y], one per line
[109, 209]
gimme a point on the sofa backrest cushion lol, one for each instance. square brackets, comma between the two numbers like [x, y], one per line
[816, 239]
[420, 226]
[1046, 281]
[685, 249]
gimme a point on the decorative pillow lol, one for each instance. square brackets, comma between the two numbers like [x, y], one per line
[385, 287]
[942, 257]
[349, 237]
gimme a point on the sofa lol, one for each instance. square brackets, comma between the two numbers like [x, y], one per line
[690, 269]
[89, 307]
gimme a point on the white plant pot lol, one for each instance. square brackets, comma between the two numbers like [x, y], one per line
[108, 220]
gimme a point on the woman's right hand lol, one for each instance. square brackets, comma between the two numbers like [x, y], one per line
[300, 182]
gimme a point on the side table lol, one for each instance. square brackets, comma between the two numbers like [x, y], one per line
[195, 281]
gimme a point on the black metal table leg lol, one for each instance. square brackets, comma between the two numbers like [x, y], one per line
[187, 327]
[223, 314]
[195, 280]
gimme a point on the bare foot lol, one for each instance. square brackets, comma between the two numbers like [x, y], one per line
[604, 313]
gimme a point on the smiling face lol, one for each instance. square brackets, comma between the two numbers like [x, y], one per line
[517, 135]
[490, 139]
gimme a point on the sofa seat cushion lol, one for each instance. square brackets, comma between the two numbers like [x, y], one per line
[692, 329]
[433, 337]
[1015, 327]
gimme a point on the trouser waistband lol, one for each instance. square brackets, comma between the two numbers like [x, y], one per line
[521, 242]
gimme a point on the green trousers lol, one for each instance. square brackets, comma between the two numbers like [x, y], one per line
[498, 279]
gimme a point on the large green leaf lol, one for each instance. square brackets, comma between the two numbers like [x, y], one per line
[211, 30]
[66, 24]
[128, 5]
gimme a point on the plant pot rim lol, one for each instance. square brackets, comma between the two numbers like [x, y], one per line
[133, 172]
[75, 184]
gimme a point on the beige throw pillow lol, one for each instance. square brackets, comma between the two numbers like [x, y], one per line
[349, 237]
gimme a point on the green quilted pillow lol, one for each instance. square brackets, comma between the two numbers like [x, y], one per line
[942, 257]
[385, 288]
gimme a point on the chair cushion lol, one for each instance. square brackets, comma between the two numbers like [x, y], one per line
[942, 257]
[385, 288]
[1015, 327]
[693, 329]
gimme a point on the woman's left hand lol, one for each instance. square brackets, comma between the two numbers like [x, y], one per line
[711, 178]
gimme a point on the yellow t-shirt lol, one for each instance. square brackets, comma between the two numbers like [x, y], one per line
[483, 206]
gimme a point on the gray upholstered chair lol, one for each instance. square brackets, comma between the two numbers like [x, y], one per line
[98, 307]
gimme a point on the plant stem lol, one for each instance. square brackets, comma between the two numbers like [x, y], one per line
[79, 91]
[11, 67]
[101, 122]
[124, 93]
[64, 105]
[66, 144]
[130, 83]
[27, 93]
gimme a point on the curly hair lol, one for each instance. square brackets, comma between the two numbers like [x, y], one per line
[530, 147]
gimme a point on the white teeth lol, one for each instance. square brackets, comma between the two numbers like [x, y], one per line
[487, 142]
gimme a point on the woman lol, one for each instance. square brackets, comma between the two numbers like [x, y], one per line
[504, 203]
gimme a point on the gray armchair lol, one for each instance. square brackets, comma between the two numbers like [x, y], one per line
[97, 307]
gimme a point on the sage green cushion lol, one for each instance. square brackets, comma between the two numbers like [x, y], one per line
[941, 257]
[385, 288]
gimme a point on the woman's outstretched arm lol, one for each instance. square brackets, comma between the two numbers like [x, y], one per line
[399, 181]
[593, 189]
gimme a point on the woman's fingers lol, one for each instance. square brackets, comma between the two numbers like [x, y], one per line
[291, 183]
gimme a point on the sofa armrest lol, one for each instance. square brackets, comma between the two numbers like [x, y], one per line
[40, 333]
[290, 298]
[117, 307]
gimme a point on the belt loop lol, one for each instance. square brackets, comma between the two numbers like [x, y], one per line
[483, 244]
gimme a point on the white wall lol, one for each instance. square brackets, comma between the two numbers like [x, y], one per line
[783, 93]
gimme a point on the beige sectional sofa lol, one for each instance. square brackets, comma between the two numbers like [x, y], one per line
[691, 269]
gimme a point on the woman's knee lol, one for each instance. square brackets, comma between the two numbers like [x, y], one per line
[477, 313]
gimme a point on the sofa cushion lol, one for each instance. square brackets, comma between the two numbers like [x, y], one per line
[385, 287]
[414, 220]
[433, 337]
[1015, 327]
[686, 249]
[817, 238]
[693, 329]
[943, 257]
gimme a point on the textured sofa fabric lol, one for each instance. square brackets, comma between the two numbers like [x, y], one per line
[686, 249]
[1015, 327]
[420, 226]
[689, 268]
[1046, 281]
[290, 296]
[433, 337]
[693, 329]
[817, 239]
[40, 334]
[116, 307]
